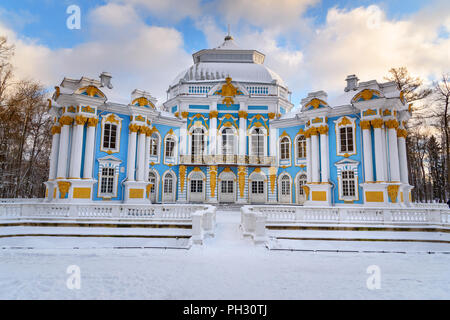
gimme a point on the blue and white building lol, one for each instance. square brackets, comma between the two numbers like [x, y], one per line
[228, 133]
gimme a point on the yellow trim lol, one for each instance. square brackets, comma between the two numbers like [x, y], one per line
[374, 196]
[136, 193]
[81, 193]
[318, 195]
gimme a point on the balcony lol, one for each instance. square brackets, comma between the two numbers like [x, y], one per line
[227, 159]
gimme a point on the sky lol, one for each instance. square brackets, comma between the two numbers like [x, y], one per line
[312, 44]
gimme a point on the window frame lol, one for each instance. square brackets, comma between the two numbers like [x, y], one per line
[345, 123]
[111, 120]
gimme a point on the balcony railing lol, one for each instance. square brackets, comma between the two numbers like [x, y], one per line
[227, 159]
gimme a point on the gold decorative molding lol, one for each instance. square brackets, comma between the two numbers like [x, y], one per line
[306, 190]
[393, 192]
[344, 122]
[92, 122]
[80, 120]
[212, 179]
[112, 118]
[56, 130]
[228, 91]
[271, 115]
[241, 178]
[364, 124]
[391, 124]
[323, 129]
[65, 120]
[63, 187]
[377, 123]
[315, 103]
[213, 114]
[134, 127]
[182, 172]
[402, 133]
[243, 114]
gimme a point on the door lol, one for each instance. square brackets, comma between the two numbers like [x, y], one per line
[196, 190]
[227, 189]
[285, 192]
[257, 191]
[153, 182]
[301, 196]
[169, 188]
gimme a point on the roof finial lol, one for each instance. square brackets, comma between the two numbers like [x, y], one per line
[228, 37]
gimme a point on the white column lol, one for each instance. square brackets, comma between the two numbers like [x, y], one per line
[324, 161]
[308, 158]
[272, 141]
[89, 148]
[131, 158]
[402, 156]
[379, 151]
[77, 147]
[393, 150]
[183, 138]
[367, 149]
[315, 156]
[243, 133]
[56, 131]
[212, 132]
[147, 154]
[141, 155]
[65, 122]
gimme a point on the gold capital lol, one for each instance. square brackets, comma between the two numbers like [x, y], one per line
[364, 124]
[65, 120]
[377, 123]
[243, 114]
[92, 122]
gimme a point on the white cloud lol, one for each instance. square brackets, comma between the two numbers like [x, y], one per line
[365, 42]
[137, 55]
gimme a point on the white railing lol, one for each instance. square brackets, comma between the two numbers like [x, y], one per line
[255, 218]
[202, 217]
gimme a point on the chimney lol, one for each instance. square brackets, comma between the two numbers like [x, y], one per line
[105, 80]
[352, 82]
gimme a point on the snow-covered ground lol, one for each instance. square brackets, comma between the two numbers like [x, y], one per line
[225, 267]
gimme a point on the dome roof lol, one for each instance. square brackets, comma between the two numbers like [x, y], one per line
[218, 71]
[229, 59]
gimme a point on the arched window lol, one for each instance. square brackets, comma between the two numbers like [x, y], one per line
[170, 147]
[152, 181]
[257, 142]
[198, 142]
[168, 183]
[348, 183]
[285, 186]
[227, 141]
[154, 144]
[285, 149]
[301, 147]
[301, 183]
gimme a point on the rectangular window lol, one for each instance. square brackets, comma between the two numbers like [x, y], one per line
[109, 136]
[227, 186]
[346, 139]
[257, 187]
[196, 186]
[170, 146]
[154, 147]
[107, 182]
[348, 184]
[168, 185]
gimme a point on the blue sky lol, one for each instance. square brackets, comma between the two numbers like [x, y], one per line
[294, 38]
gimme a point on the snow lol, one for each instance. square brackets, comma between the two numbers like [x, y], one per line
[225, 267]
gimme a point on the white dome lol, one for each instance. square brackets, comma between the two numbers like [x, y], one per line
[229, 59]
[241, 72]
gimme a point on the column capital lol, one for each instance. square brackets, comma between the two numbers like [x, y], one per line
[56, 130]
[391, 124]
[313, 131]
[271, 115]
[243, 114]
[80, 120]
[65, 120]
[213, 114]
[364, 124]
[184, 114]
[323, 129]
[133, 128]
[402, 133]
[377, 123]
[92, 122]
